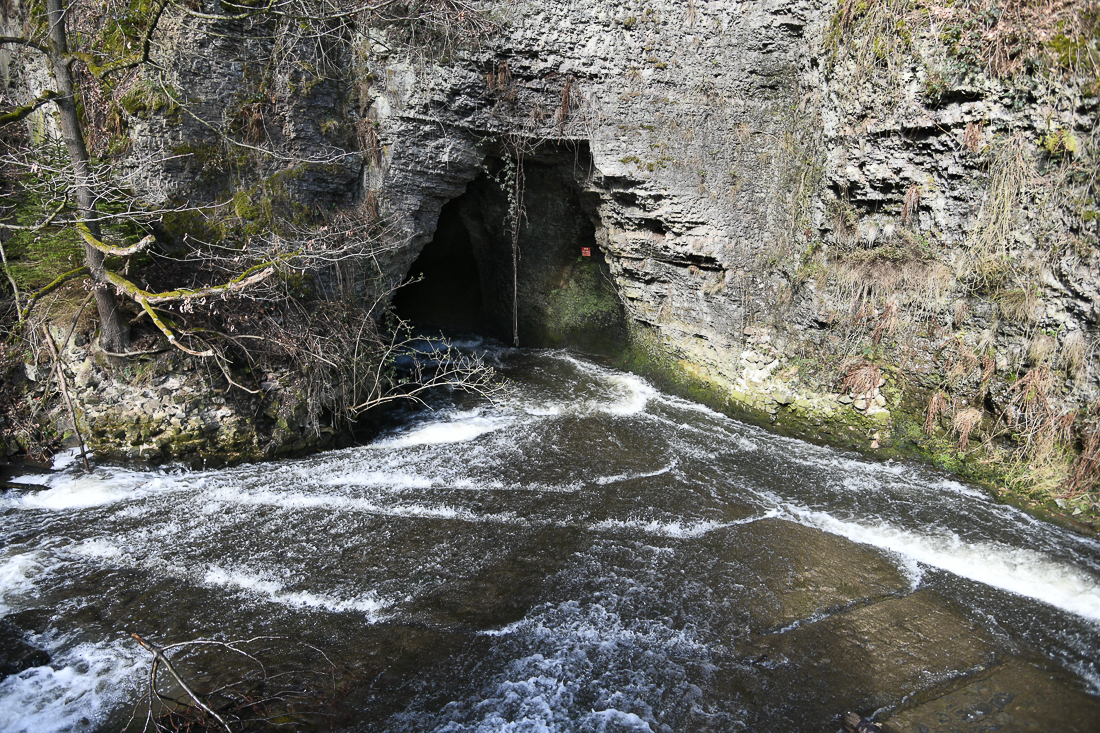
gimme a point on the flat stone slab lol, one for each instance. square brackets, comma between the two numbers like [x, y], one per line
[1016, 696]
[804, 573]
[866, 658]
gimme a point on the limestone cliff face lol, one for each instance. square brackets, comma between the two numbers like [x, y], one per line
[776, 189]
[680, 117]
[771, 187]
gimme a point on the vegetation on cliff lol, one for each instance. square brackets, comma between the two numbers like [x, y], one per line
[250, 271]
[1006, 396]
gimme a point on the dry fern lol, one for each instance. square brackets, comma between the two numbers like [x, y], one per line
[964, 423]
[861, 379]
[938, 405]
[1086, 469]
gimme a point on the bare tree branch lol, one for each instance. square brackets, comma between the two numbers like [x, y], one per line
[159, 658]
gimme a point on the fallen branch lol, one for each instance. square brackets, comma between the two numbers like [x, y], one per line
[853, 723]
[266, 683]
[160, 659]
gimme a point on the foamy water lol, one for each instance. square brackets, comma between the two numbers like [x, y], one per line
[82, 685]
[1014, 569]
[634, 492]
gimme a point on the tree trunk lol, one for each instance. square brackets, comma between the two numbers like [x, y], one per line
[114, 334]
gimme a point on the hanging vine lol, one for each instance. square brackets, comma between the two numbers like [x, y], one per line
[510, 178]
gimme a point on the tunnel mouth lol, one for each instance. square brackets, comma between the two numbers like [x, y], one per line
[445, 291]
[557, 292]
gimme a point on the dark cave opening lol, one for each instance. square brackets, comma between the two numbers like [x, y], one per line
[470, 280]
[447, 293]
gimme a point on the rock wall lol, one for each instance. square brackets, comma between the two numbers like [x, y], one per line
[791, 192]
[167, 407]
[826, 216]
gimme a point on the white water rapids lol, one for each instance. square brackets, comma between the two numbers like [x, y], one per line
[375, 535]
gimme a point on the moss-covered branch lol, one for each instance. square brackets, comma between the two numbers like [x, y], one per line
[108, 249]
[20, 112]
[249, 277]
[58, 282]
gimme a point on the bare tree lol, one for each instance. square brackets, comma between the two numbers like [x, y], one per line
[242, 303]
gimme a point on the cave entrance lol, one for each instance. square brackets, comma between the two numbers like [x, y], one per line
[447, 293]
[469, 278]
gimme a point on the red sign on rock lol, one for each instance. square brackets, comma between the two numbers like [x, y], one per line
[586, 251]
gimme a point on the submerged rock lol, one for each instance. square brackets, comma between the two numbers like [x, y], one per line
[16, 654]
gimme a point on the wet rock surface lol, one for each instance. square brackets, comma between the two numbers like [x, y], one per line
[16, 653]
[872, 657]
[1015, 696]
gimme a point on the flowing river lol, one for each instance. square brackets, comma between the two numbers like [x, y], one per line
[587, 554]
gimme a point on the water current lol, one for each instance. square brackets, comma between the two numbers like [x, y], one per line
[586, 554]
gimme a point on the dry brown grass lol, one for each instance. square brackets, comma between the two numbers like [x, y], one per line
[1037, 426]
[861, 379]
[500, 82]
[1041, 348]
[989, 365]
[939, 404]
[570, 101]
[962, 308]
[888, 321]
[963, 425]
[912, 203]
[972, 137]
[1018, 304]
[1004, 35]
[989, 264]
[962, 362]
[903, 271]
[866, 32]
[986, 339]
[249, 121]
[1074, 350]
[366, 132]
[1085, 474]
